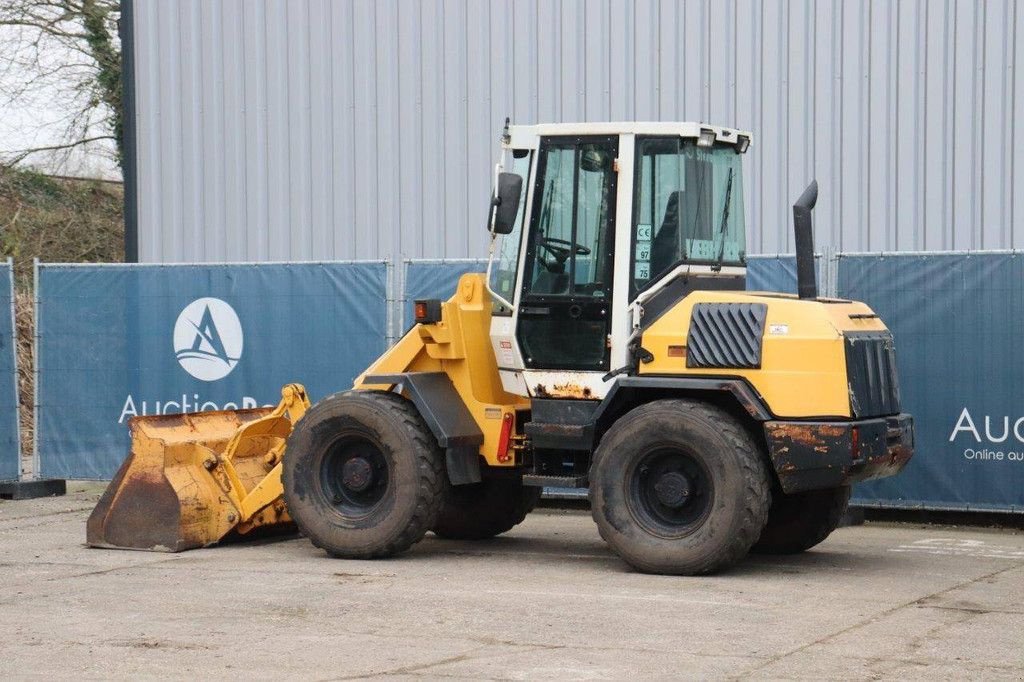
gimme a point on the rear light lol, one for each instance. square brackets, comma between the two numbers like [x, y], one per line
[505, 438]
[427, 311]
[855, 442]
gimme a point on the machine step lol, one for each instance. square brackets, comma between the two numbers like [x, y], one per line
[539, 481]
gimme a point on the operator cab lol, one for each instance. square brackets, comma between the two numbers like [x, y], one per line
[614, 223]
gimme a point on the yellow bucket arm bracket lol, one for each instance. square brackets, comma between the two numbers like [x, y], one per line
[263, 439]
[193, 479]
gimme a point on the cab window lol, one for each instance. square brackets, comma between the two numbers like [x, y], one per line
[569, 252]
[506, 262]
[681, 192]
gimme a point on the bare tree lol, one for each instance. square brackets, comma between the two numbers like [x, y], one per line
[67, 49]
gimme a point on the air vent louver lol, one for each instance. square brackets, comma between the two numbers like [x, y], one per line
[726, 335]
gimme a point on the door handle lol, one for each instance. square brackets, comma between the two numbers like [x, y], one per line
[525, 310]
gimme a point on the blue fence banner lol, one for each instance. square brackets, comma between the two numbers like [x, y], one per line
[433, 279]
[10, 451]
[114, 341]
[771, 273]
[778, 273]
[438, 278]
[958, 324]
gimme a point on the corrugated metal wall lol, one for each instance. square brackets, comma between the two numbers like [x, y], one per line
[319, 129]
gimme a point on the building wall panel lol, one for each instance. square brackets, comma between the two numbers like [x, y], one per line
[320, 129]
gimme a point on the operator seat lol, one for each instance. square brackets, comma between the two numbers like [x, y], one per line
[548, 282]
[665, 247]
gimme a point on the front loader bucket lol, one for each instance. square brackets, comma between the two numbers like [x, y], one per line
[190, 480]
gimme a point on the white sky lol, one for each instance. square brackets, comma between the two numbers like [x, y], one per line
[35, 123]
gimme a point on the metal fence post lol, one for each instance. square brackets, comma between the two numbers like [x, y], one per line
[396, 299]
[30, 485]
[389, 302]
[14, 351]
[403, 299]
[35, 369]
[403, 275]
[828, 271]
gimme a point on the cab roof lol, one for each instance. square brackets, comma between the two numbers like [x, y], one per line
[528, 136]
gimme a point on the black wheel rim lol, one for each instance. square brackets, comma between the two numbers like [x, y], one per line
[670, 492]
[354, 475]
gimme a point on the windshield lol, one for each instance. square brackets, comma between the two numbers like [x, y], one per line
[569, 250]
[506, 251]
[679, 207]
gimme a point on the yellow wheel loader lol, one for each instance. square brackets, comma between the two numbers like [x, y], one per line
[611, 345]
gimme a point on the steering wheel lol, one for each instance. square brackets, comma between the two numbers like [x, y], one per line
[561, 249]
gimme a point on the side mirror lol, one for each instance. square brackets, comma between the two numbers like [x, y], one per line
[505, 204]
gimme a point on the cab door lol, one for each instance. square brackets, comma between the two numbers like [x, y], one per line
[564, 314]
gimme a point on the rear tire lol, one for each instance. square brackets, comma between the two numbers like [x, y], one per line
[363, 476]
[800, 521]
[482, 510]
[679, 487]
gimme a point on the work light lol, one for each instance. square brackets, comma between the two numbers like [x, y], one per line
[706, 137]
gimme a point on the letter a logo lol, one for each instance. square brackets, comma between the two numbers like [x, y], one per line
[208, 339]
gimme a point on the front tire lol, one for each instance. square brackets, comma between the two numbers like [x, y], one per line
[482, 510]
[800, 521]
[363, 476]
[679, 487]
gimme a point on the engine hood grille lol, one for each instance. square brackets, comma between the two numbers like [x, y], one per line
[871, 372]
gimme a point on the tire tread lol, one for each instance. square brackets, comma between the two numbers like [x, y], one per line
[808, 519]
[756, 482]
[493, 508]
[431, 478]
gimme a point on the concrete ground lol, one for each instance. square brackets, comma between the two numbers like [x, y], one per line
[547, 601]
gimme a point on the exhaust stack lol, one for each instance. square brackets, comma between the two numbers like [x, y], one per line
[803, 239]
